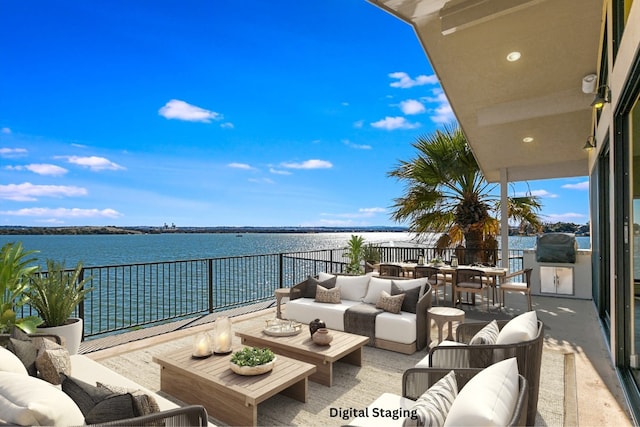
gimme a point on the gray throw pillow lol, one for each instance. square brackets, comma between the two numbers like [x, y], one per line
[96, 404]
[312, 285]
[21, 345]
[411, 297]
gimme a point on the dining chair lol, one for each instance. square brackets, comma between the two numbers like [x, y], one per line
[514, 286]
[390, 270]
[432, 274]
[470, 281]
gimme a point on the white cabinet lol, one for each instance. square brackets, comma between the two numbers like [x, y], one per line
[556, 280]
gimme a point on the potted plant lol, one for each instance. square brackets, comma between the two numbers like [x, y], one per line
[55, 295]
[371, 253]
[15, 274]
[252, 361]
[354, 253]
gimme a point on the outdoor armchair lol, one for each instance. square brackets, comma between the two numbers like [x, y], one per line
[517, 286]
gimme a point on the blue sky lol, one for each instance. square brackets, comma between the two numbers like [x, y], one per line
[210, 113]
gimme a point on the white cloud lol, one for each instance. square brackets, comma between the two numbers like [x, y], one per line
[279, 171]
[64, 213]
[227, 125]
[309, 164]
[27, 192]
[356, 146]
[180, 110]
[358, 124]
[411, 106]
[240, 166]
[12, 152]
[566, 217]
[442, 113]
[261, 180]
[579, 186]
[94, 163]
[404, 81]
[372, 211]
[41, 169]
[6, 131]
[362, 213]
[392, 123]
[537, 193]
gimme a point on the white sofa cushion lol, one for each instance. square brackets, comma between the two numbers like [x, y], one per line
[353, 288]
[30, 401]
[489, 398]
[381, 412]
[451, 358]
[304, 310]
[519, 329]
[376, 286]
[400, 328]
[9, 362]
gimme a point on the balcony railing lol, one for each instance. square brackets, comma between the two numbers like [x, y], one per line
[133, 296]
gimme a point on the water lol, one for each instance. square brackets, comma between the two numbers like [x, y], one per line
[102, 250]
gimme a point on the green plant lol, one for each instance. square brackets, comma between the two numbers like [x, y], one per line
[371, 253]
[354, 253]
[56, 294]
[15, 272]
[252, 356]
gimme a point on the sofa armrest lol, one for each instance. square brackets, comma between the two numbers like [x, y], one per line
[422, 320]
[191, 415]
[298, 290]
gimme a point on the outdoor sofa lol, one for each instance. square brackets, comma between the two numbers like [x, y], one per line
[466, 396]
[392, 312]
[26, 399]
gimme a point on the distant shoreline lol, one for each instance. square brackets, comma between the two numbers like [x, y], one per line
[80, 230]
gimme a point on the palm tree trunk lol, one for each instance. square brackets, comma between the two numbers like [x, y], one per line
[473, 239]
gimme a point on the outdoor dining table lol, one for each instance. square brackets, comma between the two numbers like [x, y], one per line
[495, 273]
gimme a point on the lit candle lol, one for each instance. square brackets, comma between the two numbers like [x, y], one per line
[202, 345]
[223, 342]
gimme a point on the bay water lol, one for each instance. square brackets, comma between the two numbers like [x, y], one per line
[116, 249]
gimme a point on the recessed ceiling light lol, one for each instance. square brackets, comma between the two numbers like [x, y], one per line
[513, 56]
[527, 139]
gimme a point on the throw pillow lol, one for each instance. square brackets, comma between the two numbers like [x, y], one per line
[432, 407]
[353, 288]
[20, 344]
[98, 405]
[328, 295]
[412, 295]
[489, 398]
[389, 303]
[519, 329]
[9, 362]
[481, 358]
[376, 285]
[487, 335]
[143, 403]
[312, 284]
[52, 361]
[29, 401]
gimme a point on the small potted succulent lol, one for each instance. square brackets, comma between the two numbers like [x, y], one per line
[252, 361]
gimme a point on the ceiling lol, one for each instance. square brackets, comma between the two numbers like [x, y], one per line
[499, 103]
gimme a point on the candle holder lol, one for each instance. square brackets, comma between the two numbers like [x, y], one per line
[223, 336]
[202, 346]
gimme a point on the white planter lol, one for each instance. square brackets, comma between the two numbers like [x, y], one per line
[71, 333]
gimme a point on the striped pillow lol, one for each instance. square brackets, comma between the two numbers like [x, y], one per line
[487, 335]
[432, 407]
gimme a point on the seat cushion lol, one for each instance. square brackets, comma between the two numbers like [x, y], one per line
[380, 413]
[30, 401]
[489, 398]
[304, 310]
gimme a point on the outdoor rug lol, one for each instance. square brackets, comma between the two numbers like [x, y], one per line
[353, 387]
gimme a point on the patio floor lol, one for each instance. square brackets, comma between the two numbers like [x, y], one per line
[571, 326]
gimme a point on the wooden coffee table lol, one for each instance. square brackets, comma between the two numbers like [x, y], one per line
[345, 347]
[227, 396]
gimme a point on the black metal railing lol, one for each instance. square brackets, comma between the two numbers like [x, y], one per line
[133, 296]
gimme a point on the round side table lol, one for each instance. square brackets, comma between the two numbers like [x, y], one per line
[280, 292]
[442, 315]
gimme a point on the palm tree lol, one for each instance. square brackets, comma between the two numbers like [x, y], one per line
[446, 192]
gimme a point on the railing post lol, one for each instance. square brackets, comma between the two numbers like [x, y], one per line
[281, 270]
[81, 305]
[210, 283]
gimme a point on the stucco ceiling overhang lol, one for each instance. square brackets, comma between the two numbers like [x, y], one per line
[497, 102]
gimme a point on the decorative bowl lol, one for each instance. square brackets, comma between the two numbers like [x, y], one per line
[252, 370]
